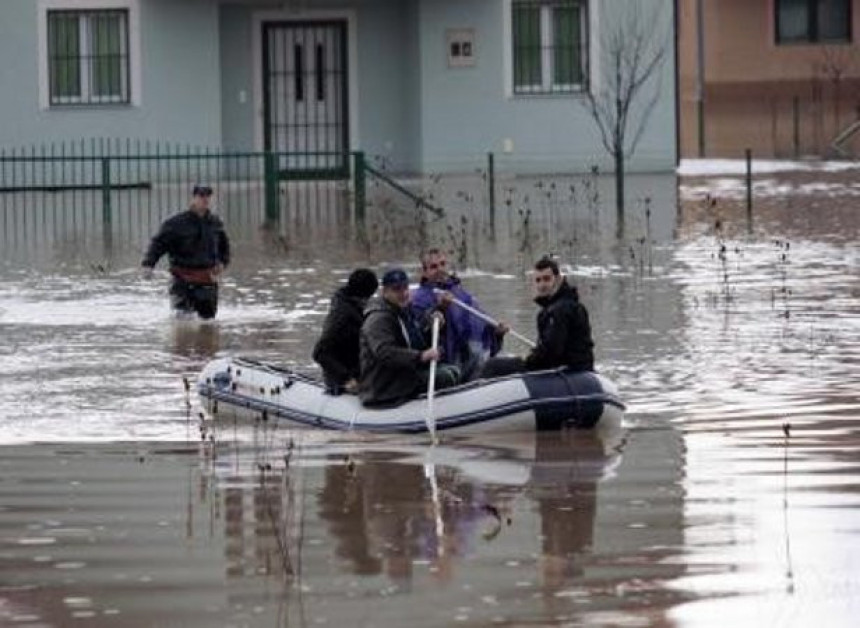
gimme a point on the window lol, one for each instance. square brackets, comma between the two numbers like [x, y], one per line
[88, 57]
[813, 21]
[549, 46]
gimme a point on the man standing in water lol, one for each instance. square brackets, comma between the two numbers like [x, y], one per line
[198, 249]
[564, 331]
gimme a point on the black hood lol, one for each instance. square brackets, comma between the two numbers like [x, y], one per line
[342, 297]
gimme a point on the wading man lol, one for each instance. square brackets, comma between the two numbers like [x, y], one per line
[198, 250]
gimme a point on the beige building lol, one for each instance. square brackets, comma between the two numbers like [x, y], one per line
[780, 77]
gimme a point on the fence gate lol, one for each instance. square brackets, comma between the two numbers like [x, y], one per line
[305, 97]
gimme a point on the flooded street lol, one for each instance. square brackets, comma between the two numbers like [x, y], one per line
[732, 496]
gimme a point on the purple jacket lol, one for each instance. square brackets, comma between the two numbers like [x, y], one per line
[461, 328]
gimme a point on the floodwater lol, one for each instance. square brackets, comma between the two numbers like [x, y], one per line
[731, 496]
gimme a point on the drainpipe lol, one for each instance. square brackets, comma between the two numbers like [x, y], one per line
[700, 74]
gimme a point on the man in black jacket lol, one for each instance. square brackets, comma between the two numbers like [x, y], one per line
[337, 349]
[199, 251]
[395, 360]
[564, 331]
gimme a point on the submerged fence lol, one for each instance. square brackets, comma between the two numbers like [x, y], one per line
[123, 186]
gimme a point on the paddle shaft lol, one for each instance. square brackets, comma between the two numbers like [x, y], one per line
[431, 383]
[487, 319]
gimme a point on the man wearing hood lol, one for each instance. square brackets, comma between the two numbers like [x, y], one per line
[337, 349]
[564, 331]
[395, 358]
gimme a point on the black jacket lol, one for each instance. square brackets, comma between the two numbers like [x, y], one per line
[564, 332]
[190, 241]
[390, 354]
[336, 351]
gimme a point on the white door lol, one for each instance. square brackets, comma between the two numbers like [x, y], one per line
[306, 114]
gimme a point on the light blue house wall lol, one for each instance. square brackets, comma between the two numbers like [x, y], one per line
[200, 84]
[180, 94]
[466, 111]
[386, 96]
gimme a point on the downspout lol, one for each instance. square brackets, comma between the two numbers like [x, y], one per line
[700, 74]
[677, 88]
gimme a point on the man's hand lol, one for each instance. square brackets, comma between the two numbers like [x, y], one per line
[444, 299]
[216, 271]
[502, 328]
[146, 272]
[428, 355]
[437, 315]
[351, 386]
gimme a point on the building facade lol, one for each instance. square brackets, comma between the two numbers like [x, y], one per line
[778, 77]
[420, 85]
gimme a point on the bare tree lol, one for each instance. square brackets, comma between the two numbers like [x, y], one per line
[631, 51]
[835, 63]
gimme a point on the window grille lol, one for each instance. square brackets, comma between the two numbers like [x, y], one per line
[88, 58]
[549, 46]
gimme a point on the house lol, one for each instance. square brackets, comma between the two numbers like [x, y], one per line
[421, 85]
[779, 77]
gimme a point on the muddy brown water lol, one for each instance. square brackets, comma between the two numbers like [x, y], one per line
[731, 496]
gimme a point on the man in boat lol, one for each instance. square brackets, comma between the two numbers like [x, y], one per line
[198, 249]
[394, 353]
[564, 330]
[337, 349]
[468, 341]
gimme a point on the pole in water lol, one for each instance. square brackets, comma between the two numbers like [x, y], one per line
[749, 187]
[431, 384]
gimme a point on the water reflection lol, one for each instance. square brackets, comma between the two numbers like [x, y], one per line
[564, 484]
[407, 512]
[195, 339]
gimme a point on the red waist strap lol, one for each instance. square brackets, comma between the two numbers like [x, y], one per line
[193, 275]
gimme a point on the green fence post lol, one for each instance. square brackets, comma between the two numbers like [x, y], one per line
[106, 208]
[273, 213]
[359, 178]
[491, 187]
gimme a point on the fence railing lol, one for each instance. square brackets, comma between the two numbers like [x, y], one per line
[105, 183]
[126, 188]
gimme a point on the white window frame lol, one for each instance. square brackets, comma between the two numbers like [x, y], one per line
[86, 99]
[548, 87]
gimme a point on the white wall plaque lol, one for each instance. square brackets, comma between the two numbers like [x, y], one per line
[460, 43]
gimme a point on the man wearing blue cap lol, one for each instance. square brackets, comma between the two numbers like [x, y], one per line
[198, 249]
[394, 354]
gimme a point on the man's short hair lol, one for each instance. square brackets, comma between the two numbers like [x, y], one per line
[427, 253]
[547, 262]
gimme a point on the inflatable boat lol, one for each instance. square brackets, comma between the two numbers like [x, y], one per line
[540, 400]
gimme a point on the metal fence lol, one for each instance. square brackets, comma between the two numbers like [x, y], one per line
[117, 186]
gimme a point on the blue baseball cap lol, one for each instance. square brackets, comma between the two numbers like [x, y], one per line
[395, 278]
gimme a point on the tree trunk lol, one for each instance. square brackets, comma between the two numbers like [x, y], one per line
[619, 193]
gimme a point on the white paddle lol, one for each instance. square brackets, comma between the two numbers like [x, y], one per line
[486, 318]
[431, 384]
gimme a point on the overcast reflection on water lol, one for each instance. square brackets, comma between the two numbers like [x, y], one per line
[731, 496]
